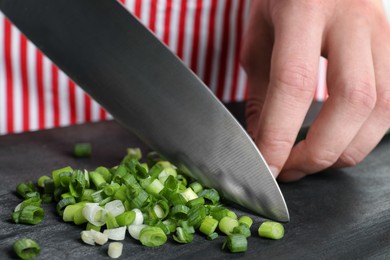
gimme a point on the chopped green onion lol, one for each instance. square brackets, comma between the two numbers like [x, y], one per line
[177, 199]
[81, 150]
[196, 187]
[246, 221]
[35, 201]
[187, 227]
[42, 179]
[97, 179]
[56, 174]
[115, 249]
[271, 230]
[31, 215]
[92, 227]
[63, 203]
[195, 202]
[196, 215]
[180, 212]
[87, 195]
[227, 224]
[212, 236]
[88, 237]
[110, 189]
[218, 212]
[152, 236]
[49, 186]
[126, 218]
[170, 224]
[208, 226]
[182, 236]
[47, 198]
[232, 214]
[24, 189]
[77, 183]
[155, 187]
[243, 230]
[236, 243]
[72, 210]
[188, 194]
[65, 179]
[111, 221]
[211, 195]
[26, 248]
[103, 171]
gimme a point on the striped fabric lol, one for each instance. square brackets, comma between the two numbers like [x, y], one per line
[205, 34]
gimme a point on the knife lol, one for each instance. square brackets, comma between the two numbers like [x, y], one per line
[137, 79]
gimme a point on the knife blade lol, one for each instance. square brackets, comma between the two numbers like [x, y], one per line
[136, 78]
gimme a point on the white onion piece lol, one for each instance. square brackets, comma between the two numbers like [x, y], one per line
[115, 249]
[94, 214]
[99, 237]
[134, 230]
[139, 217]
[116, 233]
[115, 207]
[87, 237]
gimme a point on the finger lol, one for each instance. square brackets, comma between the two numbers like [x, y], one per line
[293, 77]
[379, 121]
[351, 84]
[255, 59]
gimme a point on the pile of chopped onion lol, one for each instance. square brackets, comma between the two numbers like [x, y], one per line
[150, 201]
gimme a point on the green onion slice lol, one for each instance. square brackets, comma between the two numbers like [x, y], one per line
[271, 230]
[26, 248]
[152, 236]
[236, 243]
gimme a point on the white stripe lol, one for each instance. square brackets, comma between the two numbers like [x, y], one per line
[204, 25]
[221, 5]
[95, 109]
[386, 4]
[130, 5]
[48, 92]
[17, 82]
[160, 18]
[145, 12]
[240, 96]
[189, 32]
[321, 86]
[174, 26]
[32, 86]
[63, 93]
[3, 107]
[80, 115]
[231, 52]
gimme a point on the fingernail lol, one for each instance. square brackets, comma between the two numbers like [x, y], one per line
[275, 170]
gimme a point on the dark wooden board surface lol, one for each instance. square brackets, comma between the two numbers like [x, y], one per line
[337, 214]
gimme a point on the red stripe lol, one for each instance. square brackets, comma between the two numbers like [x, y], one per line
[122, 1]
[102, 114]
[167, 22]
[182, 29]
[8, 73]
[137, 8]
[224, 50]
[210, 43]
[72, 102]
[236, 61]
[87, 108]
[195, 43]
[56, 97]
[40, 90]
[153, 14]
[24, 75]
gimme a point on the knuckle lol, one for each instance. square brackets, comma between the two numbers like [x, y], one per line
[350, 159]
[322, 159]
[383, 100]
[297, 80]
[361, 96]
[276, 142]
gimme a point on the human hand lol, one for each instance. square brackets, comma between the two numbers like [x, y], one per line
[281, 52]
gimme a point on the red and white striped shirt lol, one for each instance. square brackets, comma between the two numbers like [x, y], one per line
[205, 34]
